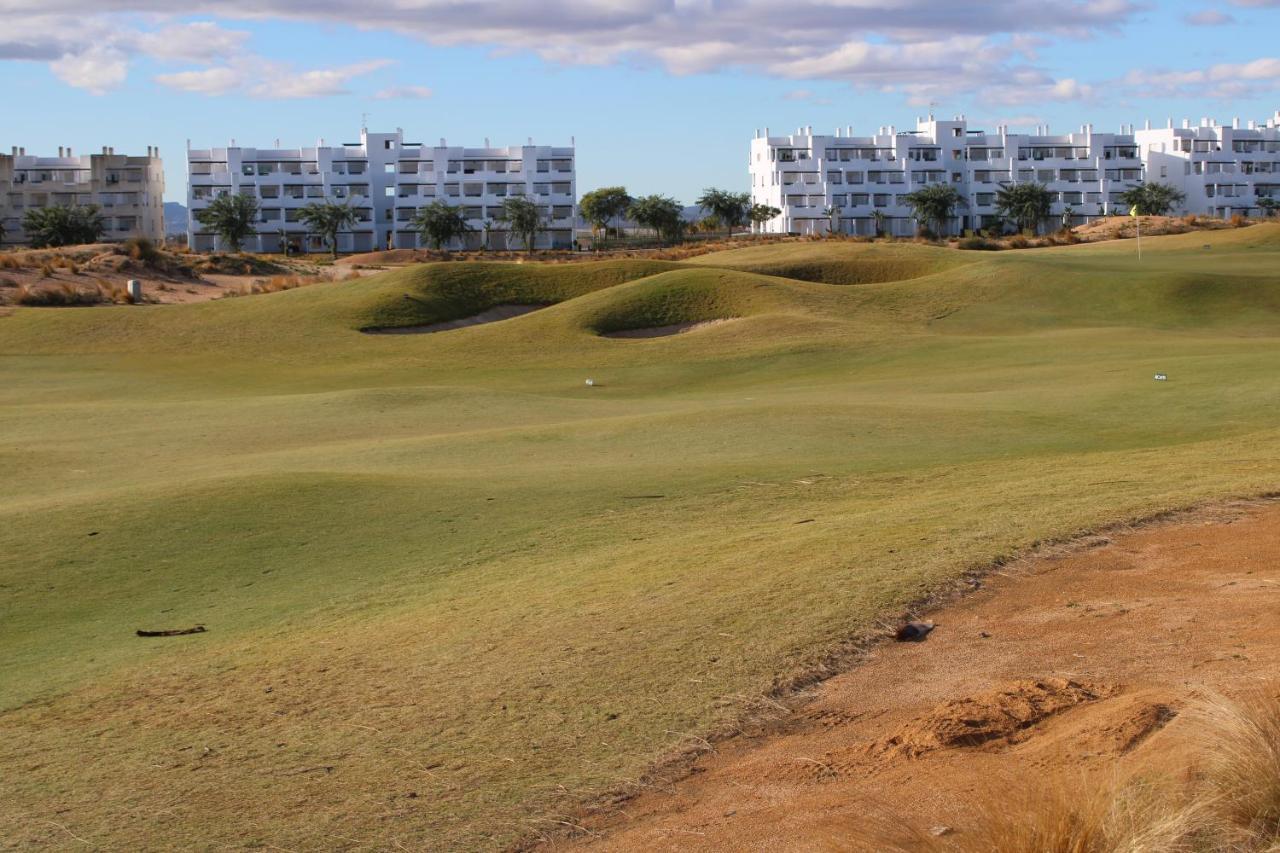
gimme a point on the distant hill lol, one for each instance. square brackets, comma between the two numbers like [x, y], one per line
[175, 218]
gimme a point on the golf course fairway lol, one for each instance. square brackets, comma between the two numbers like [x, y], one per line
[452, 591]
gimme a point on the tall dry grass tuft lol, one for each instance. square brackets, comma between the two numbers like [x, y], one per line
[1241, 772]
[1230, 803]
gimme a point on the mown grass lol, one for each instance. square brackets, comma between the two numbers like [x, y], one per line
[451, 591]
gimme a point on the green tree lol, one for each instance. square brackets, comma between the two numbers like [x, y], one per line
[440, 223]
[935, 205]
[1153, 199]
[327, 219]
[1027, 205]
[50, 227]
[662, 214]
[524, 219]
[878, 217]
[231, 217]
[602, 206]
[759, 214]
[833, 219]
[729, 207]
[1267, 205]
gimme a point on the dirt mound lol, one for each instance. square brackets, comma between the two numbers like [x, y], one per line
[1001, 715]
[492, 315]
[387, 256]
[1126, 227]
[663, 331]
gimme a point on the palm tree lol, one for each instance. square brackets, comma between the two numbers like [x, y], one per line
[440, 223]
[759, 214]
[729, 207]
[1153, 199]
[880, 219]
[524, 218]
[63, 226]
[1027, 205]
[934, 205]
[833, 219]
[231, 217]
[661, 213]
[328, 219]
[1266, 204]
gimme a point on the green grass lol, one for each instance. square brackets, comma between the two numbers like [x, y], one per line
[440, 565]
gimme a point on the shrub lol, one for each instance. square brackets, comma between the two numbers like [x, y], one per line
[9, 262]
[46, 269]
[978, 244]
[61, 295]
[1019, 242]
[1239, 221]
[141, 249]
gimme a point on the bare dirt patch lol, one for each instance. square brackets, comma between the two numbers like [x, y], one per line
[1067, 669]
[492, 315]
[663, 331]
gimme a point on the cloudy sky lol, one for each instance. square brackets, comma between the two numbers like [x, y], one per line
[661, 95]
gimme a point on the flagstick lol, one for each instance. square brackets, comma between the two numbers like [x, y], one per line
[1139, 238]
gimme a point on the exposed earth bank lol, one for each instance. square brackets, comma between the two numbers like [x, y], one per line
[1066, 670]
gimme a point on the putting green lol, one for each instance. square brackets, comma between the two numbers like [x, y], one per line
[452, 592]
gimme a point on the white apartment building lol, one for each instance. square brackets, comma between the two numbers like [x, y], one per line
[128, 190]
[1223, 169]
[387, 180]
[855, 184]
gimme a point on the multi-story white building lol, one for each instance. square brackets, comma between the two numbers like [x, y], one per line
[128, 190]
[1223, 169]
[855, 184]
[387, 180]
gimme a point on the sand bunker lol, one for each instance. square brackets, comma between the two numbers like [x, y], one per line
[663, 331]
[492, 315]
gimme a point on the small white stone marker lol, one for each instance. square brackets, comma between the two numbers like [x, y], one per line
[134, 289]
[591, 383]
[1160, 377]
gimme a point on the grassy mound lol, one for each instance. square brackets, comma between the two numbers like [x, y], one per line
[838, 262]
[446, 581]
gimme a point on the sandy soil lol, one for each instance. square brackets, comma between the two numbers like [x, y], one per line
[663, 331]
[492, 315]
[1061, 669]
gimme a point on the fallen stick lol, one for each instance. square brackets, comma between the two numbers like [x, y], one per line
[199, 629]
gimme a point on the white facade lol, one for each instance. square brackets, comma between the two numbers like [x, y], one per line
[855, 184]
[128, 191]
[1223, 169]
[386, 180]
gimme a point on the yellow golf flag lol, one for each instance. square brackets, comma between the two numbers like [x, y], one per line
[1133, 211]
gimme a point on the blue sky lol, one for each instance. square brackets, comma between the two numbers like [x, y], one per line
[661, 95]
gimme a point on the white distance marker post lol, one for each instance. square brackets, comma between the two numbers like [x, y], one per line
[1160, 377]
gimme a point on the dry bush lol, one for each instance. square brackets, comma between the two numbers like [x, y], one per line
[352, 276]
[1018, 242]
[46, 270]
[10, 262]
[1241, 774]
[73, 268]
[1239, 221]
[141, 249]
[60, 295]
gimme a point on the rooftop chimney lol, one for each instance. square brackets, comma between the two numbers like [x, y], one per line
[60, 151]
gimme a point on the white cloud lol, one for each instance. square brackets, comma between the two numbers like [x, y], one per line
[1224, 80]
[920, 47]
[396, 93]
[97, 70]
[1208, 18]
[259, 78]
